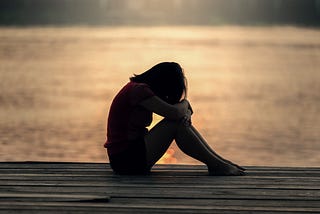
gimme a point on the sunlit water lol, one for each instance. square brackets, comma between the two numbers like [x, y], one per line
[255, 90]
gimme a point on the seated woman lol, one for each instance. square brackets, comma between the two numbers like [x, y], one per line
[132, 149]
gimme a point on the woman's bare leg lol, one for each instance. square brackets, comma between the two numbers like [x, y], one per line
[211, 150]
[191, 144]
[160, 137]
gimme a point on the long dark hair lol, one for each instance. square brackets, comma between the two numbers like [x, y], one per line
[166, 80]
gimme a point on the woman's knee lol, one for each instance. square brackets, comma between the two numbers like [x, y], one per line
[177, 125]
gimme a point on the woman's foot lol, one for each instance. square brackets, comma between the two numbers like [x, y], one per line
[228, 170]
[239, 167]
[236, 165]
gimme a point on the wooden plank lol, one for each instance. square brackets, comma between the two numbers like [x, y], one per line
[161, 179]
[219, 202]
[187, 208]
[196, 181]
[103, 184]
[155, 172]
[174, 167]
[177, 192]
[50, 196]
[79, 171]
[104, 166]
[36, 164]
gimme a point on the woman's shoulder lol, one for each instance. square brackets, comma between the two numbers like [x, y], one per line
[138, 86]
[140, 90]
[134, 87]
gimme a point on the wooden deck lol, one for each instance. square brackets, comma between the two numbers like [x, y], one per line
[35, 187]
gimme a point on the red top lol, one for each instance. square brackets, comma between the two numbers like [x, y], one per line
[127, 120]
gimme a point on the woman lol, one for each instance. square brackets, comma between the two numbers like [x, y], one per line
[132, 149]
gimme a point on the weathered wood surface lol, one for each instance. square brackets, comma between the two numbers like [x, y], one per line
[37, 187]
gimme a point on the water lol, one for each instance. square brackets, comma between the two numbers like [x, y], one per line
[254, 90]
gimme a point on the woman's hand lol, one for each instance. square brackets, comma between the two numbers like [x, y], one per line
[190, 108]
[186, 120]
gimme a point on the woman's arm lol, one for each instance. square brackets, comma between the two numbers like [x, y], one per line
[166, 110]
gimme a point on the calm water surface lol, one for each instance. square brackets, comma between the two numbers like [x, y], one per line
[254, 90]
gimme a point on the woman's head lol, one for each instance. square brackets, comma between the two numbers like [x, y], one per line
[166, 80]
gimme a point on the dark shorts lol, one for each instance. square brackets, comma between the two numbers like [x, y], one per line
[132, 160]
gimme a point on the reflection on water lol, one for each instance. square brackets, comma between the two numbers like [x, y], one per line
[255, 91]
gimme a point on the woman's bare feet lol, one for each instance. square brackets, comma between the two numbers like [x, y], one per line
[236, 165]
[228, 170]
[239, 167]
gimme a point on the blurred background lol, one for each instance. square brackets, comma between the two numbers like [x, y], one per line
[252, 69]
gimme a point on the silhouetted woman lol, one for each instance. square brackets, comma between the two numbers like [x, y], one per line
[132, 149]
